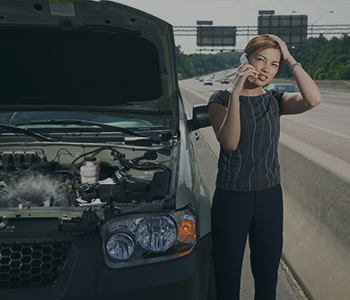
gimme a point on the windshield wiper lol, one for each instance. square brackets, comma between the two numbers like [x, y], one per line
[84, 122]
[37, 136]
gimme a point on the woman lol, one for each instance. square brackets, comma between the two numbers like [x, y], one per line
[248, 195]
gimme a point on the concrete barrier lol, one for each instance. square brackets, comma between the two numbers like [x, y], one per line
[316, 190]
[317, 227]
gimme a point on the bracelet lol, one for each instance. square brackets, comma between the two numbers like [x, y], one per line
[296, 64]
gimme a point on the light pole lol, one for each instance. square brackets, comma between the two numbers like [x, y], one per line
[312, 27]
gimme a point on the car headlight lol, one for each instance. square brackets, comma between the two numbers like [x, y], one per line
[120, 246]
[142, 239]
[156, 234]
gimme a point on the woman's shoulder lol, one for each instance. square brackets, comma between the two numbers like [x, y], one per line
[276, 94]
[221, 97]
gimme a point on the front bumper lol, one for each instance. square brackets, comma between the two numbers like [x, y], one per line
[87, 277]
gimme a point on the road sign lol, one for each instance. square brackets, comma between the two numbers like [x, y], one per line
[266, 12]
[216, 36]
[204, 22]
[290, 28]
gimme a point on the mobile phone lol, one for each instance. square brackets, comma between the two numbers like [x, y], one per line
[244, 59]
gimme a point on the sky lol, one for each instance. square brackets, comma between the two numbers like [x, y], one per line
[238, 13]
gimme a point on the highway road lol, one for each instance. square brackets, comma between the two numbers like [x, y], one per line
[332, 115]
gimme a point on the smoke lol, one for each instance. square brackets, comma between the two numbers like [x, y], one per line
[34, 189]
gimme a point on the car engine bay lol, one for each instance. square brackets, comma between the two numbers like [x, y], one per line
[28, 178]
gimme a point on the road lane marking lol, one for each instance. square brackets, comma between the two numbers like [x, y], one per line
[319, 128]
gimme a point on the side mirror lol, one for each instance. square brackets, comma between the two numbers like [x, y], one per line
[200, 117]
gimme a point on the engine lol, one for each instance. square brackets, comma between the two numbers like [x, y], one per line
[29, 179]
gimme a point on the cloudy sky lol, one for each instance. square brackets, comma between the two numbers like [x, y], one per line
[238, 13]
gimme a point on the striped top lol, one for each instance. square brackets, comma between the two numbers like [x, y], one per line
[254, 164]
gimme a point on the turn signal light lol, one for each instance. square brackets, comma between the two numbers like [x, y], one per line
[187, 230]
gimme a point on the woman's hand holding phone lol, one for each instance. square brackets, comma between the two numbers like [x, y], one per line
[244, 61]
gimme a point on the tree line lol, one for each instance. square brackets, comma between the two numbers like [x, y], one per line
[330, 60]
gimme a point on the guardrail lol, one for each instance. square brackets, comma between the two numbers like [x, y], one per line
[317, 208]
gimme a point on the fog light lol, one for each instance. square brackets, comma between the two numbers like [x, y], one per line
[120, 246]
[156, 234]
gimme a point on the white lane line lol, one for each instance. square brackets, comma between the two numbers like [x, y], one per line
[320, 128]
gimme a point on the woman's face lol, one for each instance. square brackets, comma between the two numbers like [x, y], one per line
[266, 62]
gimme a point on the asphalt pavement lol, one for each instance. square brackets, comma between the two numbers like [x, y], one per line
[287, 288]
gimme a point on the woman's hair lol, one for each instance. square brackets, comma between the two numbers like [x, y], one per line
[259, 43]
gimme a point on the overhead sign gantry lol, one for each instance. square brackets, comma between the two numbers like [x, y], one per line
[214, 36]
[290, 28]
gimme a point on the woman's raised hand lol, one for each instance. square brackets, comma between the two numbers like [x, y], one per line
[285, 54]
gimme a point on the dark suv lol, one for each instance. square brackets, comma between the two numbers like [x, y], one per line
[101, 196]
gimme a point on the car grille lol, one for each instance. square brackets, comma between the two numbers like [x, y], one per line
[29, 264]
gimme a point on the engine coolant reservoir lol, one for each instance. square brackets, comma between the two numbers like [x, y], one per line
[90, 170]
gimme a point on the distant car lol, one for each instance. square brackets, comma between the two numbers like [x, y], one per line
[282, 87]
[225, 80]
[208, 81]
[200, 79]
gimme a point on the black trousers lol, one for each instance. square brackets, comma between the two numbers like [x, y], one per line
[234, 216]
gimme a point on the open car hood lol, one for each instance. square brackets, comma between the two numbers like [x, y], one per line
[87, 56]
